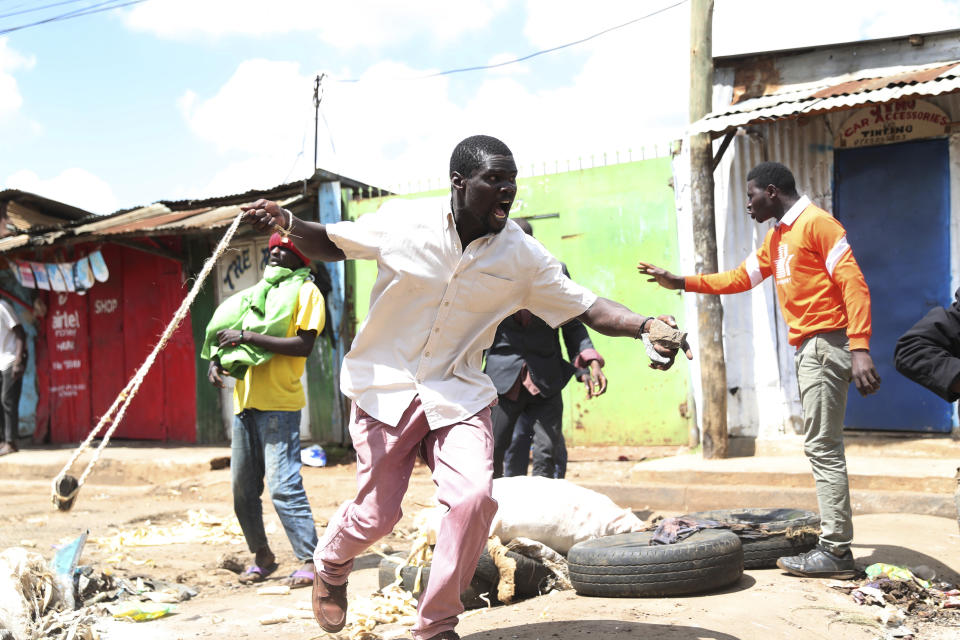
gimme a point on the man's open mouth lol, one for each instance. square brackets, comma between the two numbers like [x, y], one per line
[502, 210]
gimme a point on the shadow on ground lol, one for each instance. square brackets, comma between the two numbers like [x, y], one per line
[593, 629]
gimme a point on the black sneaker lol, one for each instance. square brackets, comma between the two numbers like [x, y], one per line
[819, 563]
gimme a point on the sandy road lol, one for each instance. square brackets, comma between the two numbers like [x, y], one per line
[763, 604]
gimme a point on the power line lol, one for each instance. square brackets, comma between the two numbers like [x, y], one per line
[38, 8]
[534, 54]
[106, 5]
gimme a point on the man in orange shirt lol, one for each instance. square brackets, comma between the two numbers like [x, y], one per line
[826, 305]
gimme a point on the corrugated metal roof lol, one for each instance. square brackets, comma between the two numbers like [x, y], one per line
[152, 219]
[834, 94]
[160, 218]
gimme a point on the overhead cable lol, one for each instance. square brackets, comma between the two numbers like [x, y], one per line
[531, 55]
[106, 5]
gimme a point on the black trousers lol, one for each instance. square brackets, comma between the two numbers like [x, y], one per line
[546, 415]
[10, 399]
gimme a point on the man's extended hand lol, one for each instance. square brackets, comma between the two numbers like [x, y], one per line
[594, 380]
[667, 352]
[661, 276]
[214, 373]
[20, 367]
[264, 215]
[865, 375]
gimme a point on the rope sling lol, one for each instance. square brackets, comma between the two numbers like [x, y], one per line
[65, 487]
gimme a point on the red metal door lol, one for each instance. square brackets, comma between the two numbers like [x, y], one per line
[67, 329]
[106, 335]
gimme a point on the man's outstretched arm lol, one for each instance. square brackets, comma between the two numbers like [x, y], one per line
[614, 319]
[311, 237]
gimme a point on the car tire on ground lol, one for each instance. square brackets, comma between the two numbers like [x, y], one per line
[470, 598]
[626, 565]
[794, 532]
[530, 578]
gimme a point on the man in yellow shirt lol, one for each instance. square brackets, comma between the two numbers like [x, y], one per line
[267, 402]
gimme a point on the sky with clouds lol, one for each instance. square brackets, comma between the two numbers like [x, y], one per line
[173, 99]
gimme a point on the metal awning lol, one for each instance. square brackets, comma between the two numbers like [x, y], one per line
[835, 94]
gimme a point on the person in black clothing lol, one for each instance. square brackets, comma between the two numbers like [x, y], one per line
[527, 368]
[929, 352]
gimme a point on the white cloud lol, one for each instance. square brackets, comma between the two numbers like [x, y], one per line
[629, 90]
[10, 61]
[393, 133]
[742, 26]
[76, 187]
[264, 106]
[359, 23]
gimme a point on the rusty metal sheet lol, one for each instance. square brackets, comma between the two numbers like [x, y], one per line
[124, 218]
[872, 84]
[214, 218]
[147, 223]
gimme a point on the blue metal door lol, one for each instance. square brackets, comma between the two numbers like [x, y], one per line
[894, 201]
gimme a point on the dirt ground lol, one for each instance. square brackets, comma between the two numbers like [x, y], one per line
[763, 604]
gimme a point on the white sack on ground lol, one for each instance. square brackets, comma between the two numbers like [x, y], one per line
[557, 513]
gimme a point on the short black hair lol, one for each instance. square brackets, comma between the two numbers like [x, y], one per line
[524, 224]
[776, 174]
[471, 152]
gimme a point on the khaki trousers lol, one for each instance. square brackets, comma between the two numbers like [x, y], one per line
[824, 371]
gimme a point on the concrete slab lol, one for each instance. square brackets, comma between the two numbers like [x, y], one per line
[873, 473]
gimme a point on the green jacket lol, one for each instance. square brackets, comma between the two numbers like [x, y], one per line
[265, 308]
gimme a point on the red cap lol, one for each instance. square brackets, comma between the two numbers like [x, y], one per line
[277, 240]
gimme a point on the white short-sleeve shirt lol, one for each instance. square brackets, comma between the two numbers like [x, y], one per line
[435, 307]
[8, 341]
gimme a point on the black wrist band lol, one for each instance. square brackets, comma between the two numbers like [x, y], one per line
[640, 330]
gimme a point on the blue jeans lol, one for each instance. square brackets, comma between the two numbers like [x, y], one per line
[268, 443]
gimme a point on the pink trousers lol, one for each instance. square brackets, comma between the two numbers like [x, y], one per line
[460, 458]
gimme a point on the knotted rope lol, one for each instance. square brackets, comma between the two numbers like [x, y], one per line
[126, 396]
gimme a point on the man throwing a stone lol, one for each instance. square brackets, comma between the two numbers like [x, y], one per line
[448, 271]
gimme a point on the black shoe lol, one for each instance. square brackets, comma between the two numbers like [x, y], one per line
[819, 563]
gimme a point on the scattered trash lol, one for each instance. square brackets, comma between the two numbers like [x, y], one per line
[391, 604]
[285, 615]
[906, 599]
[65, 565]
[28, 593]
[199, 526]
[314, 456]
[139, 611]
[868, 595]
[274, 590]
[894, 572]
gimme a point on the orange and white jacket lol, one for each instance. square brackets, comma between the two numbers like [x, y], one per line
[819, 284]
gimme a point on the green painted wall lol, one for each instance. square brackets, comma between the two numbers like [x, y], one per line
[600, 222]
[210, 428]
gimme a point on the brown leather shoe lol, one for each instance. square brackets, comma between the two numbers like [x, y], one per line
[329, 604]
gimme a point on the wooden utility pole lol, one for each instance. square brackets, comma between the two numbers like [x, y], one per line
[713, 372]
